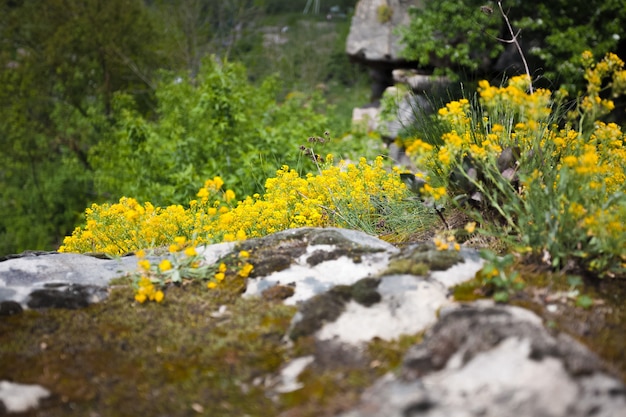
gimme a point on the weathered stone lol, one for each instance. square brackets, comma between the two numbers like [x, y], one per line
[487, 360]
[18, 398]
[353, 294]
[79, 280]
[372, 36]
[372, 40]
[313, 261]
[8, 308]
[71, 296]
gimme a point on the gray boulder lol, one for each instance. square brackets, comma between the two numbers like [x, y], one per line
[346, 291]
[486, 360]
[372, 40]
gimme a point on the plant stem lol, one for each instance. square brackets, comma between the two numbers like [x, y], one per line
[517, 45]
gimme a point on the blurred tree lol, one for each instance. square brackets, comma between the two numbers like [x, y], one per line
[198, 28]
[462, 36]
[61, 61]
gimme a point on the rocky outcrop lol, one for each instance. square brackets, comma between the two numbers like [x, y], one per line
[486, 360]
[372, 40]
[348, 293]
[61, 280]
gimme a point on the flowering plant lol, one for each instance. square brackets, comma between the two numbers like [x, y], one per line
[183, 264]
[552, 187]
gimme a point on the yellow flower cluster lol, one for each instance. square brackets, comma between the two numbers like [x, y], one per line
[147, 291]
[580, 165]
[608, 74]
[127, 226]
[446, 243]
[290, 201]
[244, 269]
[183, 263]
[464, 138]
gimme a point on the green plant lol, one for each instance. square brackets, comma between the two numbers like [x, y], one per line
[516, 163]
[384, 13]
[183, 264]
[214, 124]
[458, 37]
[498, 276]
[450, 31]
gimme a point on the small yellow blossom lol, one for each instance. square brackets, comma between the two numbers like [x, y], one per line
[246, 270]
[210, 285]
[165, 265]
[144, 264]
[229, 195]
[470, 227]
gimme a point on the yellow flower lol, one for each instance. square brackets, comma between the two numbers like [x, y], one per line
[165, 265]
[244, 254]
[245, 271]
[241, 235]
[141, 298]
[144, 264]
[158, 296]
[570, 161]
[220, 276]
[222, 268]
[211, 285]
[229, 195]
[470, 227]
[191, 251]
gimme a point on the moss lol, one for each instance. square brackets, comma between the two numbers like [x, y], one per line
[420, 259]
[119, 358]
[468, 291]
[384, 13]
[389, 354]
[364, 291]
[328, 306]
[278, 293]
[320, 309]
[406, 266]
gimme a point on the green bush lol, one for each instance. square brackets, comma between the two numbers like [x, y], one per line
[549, 183]
[215, 124]
[553, 34]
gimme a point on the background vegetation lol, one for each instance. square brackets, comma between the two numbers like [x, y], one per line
[463, 36]
[148, 99]
[104, 98]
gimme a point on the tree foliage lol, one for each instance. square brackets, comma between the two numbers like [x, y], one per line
[104, 98]
[214, 124]
[60, 64]
[464, 35]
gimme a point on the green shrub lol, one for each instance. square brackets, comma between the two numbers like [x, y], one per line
[553, 33]
[548, 182]
[217, 123]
